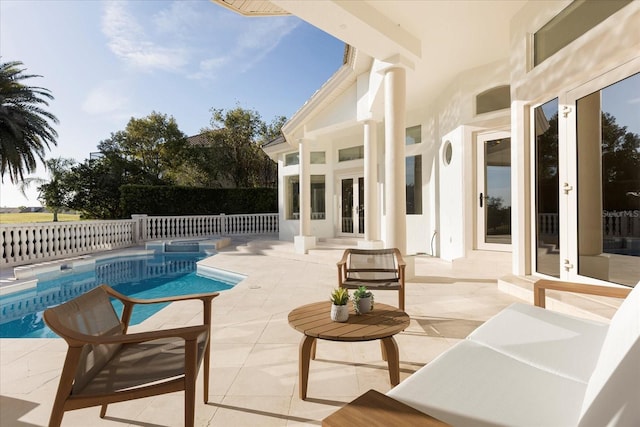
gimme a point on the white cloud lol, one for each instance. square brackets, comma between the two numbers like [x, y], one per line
[179, 19]
[209, 67]
[105, 99]
[129, 41]
[200, 40]
[246, 42]
[262, 39]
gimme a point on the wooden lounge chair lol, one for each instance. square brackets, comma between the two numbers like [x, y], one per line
[373, 268]
[105, 365]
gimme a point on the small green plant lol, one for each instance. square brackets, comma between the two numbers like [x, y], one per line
[358, 294]
[340, 296]
[361, 292]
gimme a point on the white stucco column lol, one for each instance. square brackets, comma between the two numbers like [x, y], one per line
[521, 197]
[371, 202]
[305, 197]
[394, 165]
[304, 241]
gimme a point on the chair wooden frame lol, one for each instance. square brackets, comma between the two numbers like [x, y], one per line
[344, 270]
[540, 287]
[193, 336]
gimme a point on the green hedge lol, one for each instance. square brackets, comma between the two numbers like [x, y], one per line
[173, 200]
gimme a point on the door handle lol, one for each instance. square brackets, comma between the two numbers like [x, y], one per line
[481, 199]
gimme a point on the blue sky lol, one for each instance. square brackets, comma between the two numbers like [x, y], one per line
[105, 62]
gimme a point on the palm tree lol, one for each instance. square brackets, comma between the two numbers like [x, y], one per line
[25, 131]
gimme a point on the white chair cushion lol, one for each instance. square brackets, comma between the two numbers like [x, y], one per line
[473, 385]
[561, 344]
[612, 396]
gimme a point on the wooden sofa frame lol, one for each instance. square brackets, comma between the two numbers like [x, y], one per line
[540, 287]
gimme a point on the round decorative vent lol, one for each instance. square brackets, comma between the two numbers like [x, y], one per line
[447, 152]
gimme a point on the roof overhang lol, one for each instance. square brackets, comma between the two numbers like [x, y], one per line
[253, 7]
[436, 41]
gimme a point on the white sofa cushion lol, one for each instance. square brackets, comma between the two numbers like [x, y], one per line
[473, 385]
[612, 396]
[561, 344]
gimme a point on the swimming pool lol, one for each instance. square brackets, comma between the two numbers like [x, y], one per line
[147, 276]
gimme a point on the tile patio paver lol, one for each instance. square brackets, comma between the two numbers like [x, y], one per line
[254, 379]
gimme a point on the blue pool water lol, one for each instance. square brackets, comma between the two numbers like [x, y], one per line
[151, 276]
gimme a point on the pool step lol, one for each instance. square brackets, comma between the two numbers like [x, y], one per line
[30, 271]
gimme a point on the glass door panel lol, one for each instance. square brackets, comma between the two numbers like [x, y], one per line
[360, 205]
[547, 189]
[346, 213]
[352, 209]
[494, 192]
[608, 177]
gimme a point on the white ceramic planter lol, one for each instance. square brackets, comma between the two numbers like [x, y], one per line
[365, 305]
[339, 313]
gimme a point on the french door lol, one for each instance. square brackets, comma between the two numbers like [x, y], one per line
[587, 181]
[493, 204]
[352, 206]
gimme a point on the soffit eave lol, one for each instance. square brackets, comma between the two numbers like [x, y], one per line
[334, 87]
[252, 7]
[274, 150]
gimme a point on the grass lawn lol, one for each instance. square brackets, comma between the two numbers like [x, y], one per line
[13, 218]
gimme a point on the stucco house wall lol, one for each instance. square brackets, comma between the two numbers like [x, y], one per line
[447, 227]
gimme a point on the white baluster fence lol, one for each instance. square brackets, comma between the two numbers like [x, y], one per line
[169, 227]
[548, 224]
[623, 224]
[38, 242]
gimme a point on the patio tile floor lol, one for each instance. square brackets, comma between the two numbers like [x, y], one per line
[254, 379]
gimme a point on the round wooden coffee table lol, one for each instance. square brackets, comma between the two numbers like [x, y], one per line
[314, 322]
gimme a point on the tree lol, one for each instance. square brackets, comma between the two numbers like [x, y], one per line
[268, 168]
[149, 151]
[620, 165]
[53, 194]
[231, 155]
[273, 130]
[95, 186]
[153, 144]
[547, 167]
[25, 131]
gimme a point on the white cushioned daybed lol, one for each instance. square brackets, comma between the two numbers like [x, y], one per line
[528, 366]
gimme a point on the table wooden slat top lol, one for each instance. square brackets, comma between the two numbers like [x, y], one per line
[374, 409]
[314, 320]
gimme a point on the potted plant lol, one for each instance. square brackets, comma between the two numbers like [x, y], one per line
[362, 300]
[339, 308]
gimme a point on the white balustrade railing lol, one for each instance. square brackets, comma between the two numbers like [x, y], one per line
[614, 224]
[621, 223]
[169, 227]
[548, 224]
[38, 242]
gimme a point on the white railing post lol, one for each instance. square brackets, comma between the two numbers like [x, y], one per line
[223, 224]
[139, 227]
